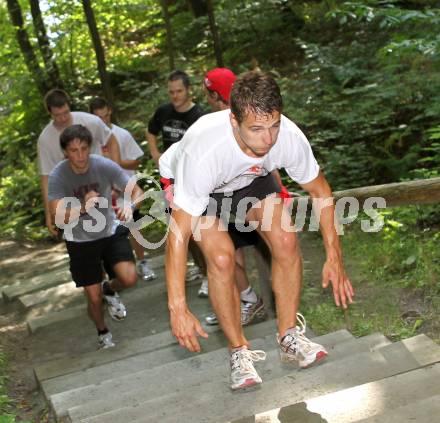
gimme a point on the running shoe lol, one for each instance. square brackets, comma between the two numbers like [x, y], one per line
[211, 319]
[144, 271]
[116, 309]
[252, 311]
[295, 347]
[105, 341]
[243, 373]
[193, 273]
[249, 312]
[203, 290]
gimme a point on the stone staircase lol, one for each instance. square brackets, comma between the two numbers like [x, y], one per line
[149, 378]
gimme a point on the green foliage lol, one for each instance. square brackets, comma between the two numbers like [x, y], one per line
[6, 415]
[361, 78]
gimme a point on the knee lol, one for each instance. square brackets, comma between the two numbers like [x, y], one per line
[129, 279]
[222, 262]
[286, 247]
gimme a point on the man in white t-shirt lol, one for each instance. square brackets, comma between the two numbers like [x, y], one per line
[223, 166]
[57, 104]
[131, 154]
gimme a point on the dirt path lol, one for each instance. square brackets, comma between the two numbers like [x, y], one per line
[18, 261]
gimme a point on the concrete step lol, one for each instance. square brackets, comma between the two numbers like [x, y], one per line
[142, 361]
[67, 293]
[49, 287]
[57, 275]
[372, 399]
[180, 376]
[48, 307]
[131, 347]
[54, 294]
[147, 315]
[423, 411]
[68, 313]
[213, 401]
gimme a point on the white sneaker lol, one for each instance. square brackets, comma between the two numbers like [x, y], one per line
[105, 341]
[144, 271]
[193, 273]
[203, 290]
[116, 309]
[296, 347]
[243, 373]
[211, 319]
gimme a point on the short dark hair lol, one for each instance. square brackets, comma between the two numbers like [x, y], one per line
[255, 92]
[179, 74]
[56, 98]
[98, 103]
[75, 132]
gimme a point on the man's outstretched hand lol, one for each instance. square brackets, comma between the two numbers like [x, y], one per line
[343, 293]
[186, 328]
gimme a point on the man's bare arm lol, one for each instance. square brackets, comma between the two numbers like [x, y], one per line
[114, 152]
[152, 147]
[333, 270]
[44, 183]
[130, 164]
[184, 324]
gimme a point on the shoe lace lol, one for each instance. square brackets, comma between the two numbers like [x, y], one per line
[290, 340]
[242, 359]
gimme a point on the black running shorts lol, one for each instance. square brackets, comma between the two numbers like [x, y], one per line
[87, 258]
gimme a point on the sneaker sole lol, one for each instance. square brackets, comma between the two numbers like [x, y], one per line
[286, 358]
[247, 385]
[193, 278]
[203, 295]
[105, 347]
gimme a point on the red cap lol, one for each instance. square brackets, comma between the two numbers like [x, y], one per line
[220, 80]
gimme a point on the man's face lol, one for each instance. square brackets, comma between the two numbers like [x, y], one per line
[178, 93]
[61, 116]
[105, 114]
[77, 152]
[257, 134]
[211, 99]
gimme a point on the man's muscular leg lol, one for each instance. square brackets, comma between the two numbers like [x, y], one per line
[218, 250]
[286, 259]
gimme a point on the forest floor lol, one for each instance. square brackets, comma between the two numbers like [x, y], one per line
[396, 312]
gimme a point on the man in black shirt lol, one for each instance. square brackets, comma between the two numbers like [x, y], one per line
[174, 118]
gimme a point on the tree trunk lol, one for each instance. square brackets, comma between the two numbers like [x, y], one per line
[215, 34]
[198, 7]
[26, 48]
[169, 32]
[43, 42]
[99, 51]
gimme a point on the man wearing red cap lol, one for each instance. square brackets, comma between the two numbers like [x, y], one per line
[218, 84]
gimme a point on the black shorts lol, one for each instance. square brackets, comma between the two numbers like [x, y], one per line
[87, 258]
[242, 239]
[258, 190]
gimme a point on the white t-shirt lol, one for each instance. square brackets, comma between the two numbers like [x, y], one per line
[49, 149]
[209, 160]
[129, 148]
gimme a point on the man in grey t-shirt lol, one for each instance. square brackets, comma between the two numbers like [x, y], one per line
[57, 104]
[79, 195]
